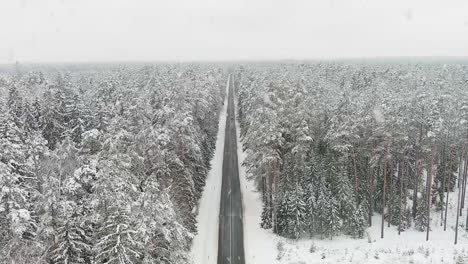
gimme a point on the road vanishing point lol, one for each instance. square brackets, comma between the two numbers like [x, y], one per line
[231, 233]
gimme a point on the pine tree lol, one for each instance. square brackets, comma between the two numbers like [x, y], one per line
[74, 243]
[282, 224]
[394, 205]
[344, 194]
[73, 117]
[29, 121]
[358, 221]
[310, 203]
[7, 180]
[297, 215]
[33, 120]
[421, 220]
[15, 217]
[12, 140]
[266, 216]
[101, 116]
[290, 214]
[118, 241]
[333, 222]
[51, 121]
[15, 105]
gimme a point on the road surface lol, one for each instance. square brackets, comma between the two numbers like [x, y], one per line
[231, 233]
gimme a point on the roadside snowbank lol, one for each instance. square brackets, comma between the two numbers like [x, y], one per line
[205, 244]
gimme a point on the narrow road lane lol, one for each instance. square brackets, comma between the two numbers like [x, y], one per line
[231, 234]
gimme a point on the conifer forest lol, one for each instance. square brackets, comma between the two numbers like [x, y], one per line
[330, 145]
[105, 164]
[109, 163]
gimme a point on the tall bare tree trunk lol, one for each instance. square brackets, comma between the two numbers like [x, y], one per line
[460, 167]
[448, 190]
[462, 184]
[384, 204]
[401, 172]
[274, 189]
[464, 191]
[466, 223]
[405, 186]
[416, 176]
[356, 181]
[390, 191]
[444, 155]
[463, 187]
[458, 215]
[371, 185]
[465, 176]
[429, 189]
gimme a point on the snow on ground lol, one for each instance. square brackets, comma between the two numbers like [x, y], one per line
[205, 244]
[410, 247]
[264, 247]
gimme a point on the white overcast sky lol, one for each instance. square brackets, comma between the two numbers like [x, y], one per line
[161, 30]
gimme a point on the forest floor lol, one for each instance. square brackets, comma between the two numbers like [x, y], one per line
[264, 247]
[409, 247]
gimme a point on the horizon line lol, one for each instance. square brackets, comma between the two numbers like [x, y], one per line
[434, 58]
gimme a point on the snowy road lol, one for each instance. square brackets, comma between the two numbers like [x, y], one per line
[231, 241]
[220, 222]
[205, 243]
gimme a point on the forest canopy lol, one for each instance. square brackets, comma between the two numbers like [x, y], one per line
[330, 143]
[105, 164]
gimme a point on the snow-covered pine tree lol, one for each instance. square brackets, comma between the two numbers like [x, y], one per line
[421, 220]
[16, 220]
[333, 222]
[310, 199]
[36, 107]
[101, 115]
[29, 119]
[74, 243]
[282, 224]
[118, 240]
[321, 206]
[52, 119]
[394, 207]
[15, 105]
[358, 221]
[182, 190]
[74, 117]
[266, 216]
[343, 192]
[297, 215]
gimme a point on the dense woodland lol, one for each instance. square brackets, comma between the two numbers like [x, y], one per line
[104, 164]
[330, 144]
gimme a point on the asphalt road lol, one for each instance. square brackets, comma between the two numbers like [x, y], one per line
[231, 233]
